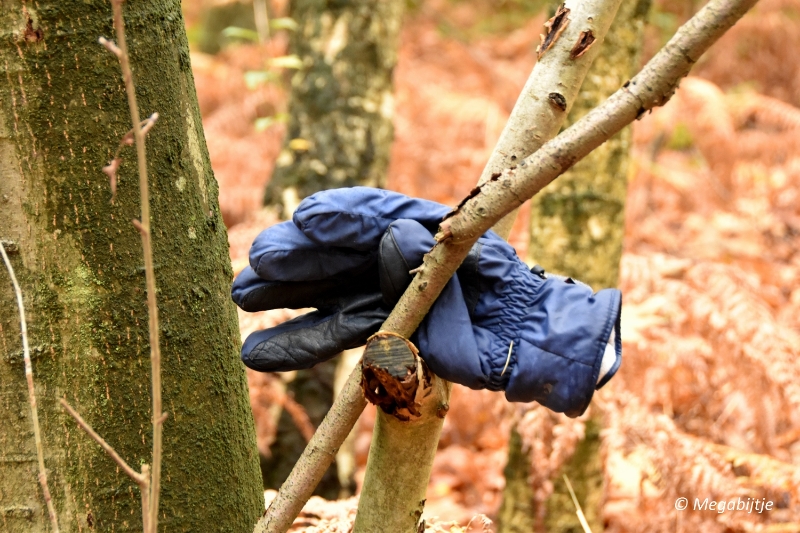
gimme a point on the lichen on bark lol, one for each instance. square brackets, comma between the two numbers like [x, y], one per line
[341, 104]
[339, 134]
[577, 222]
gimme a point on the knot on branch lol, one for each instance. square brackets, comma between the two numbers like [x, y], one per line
[11, 247]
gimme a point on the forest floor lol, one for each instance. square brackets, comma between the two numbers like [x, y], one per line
[707, 402]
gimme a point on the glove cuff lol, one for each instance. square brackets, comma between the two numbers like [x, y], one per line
[561, 349]
[612, 356]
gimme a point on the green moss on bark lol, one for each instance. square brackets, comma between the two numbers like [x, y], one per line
[515, 514]
[577, 229]
[585, 472]
[63, 111]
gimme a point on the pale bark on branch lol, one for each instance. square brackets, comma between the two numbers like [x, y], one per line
[652, 87]
[402, 452]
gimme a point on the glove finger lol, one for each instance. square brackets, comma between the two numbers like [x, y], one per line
[283, 253]
[275, 349]
[357, 217]
[314, 337]
[252, 293]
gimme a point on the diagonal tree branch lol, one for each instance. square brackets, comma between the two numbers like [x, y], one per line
[652, 87]
[555, 76]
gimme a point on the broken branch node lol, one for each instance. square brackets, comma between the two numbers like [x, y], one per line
[390, 377]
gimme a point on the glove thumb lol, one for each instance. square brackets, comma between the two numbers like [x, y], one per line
[401, 250]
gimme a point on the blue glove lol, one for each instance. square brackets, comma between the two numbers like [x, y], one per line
[326, 258]
[364, 241]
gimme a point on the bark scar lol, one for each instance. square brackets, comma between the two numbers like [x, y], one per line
[585, 41]
[10, 246]
[445, 228]
[558, 101]
[553, 30]
[31, 34]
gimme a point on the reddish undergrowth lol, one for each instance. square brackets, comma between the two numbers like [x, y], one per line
[707, 403]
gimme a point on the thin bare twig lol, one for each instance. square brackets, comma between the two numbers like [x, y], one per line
[145, 492]
[578, 510]
[143, 479]
[152, 308]
[112, 167]
[110, 46]
[299, 416]
[130, 472]
[37, 434]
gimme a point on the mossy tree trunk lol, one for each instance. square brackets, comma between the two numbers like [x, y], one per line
[341, 103]
[516, 511]
[63, 112]
[578, 221]
[577, 224]
[339, 135]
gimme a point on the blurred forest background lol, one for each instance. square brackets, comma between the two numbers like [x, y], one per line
[707, 402]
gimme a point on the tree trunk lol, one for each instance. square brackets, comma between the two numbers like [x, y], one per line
[341, 104]
[516, 511]
[63, 111]
[339, 135]
[585, 472]
[576, 228]
[578, 221]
